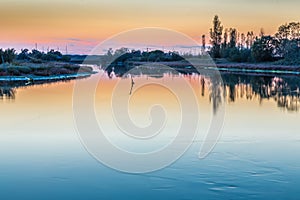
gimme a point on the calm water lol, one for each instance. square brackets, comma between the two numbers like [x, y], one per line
[256, 157]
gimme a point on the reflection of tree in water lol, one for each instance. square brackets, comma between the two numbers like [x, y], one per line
[202, 81]
[7, 92]
[131, 87]
[284, 90]
[215, 90]
[286, 96]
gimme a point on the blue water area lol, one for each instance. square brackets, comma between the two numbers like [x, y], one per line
[231, 171]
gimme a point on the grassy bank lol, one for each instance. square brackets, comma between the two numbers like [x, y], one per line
[46, 69]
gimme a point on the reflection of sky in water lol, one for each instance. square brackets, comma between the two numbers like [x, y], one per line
[256, 158]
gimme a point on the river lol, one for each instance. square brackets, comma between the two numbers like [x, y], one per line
[256, 156]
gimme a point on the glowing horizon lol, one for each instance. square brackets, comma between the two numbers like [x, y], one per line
[81, 25]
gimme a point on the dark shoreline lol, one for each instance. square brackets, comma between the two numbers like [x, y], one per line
[43, 72]
[269, 66]
[32, 78]
[187, 67]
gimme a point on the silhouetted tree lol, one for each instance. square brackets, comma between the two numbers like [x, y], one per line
[250, 39]
[263, 48]
[225, 39]
[203, 43]
[243, 40]
[261, 32]
[216, 37]
[232, 37]
[7, 55]
[36, 54]
[23, 55]
[1, 56]
[288, 38]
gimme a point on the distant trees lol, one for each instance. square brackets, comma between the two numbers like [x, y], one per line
[263, 48]
[7, 55]
[121, 51]
[233, 49]
[232, 37]
[23, 55]
[216, 37]
[123, 55]
[52, 56]
[241, 47]
[243, 41]
[225, 39]
[233, 46]
[122, 60]
[1, 56]
[203, 42]
[288, 38]
[289, 31]
[250, 39]
[38, 56]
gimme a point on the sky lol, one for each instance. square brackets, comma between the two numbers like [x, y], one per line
[82, 24]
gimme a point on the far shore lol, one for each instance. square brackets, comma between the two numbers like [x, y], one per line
[56, 71]
[259, 68]
[267, 65]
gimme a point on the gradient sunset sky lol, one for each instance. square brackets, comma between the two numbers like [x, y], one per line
[82, 24]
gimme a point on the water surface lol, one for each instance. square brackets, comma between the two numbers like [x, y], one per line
[255, 158]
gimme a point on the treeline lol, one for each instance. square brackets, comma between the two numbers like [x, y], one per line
[35, 56]
[7, 56]
[126, 55]
[124, 59]
[283, 47]
[38, 56]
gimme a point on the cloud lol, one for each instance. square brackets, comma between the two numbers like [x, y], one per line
[74, 39]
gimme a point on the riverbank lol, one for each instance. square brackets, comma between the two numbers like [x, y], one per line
[259, 68]
[33, 78]
[230, 67]
[42, 69]
[48, 71]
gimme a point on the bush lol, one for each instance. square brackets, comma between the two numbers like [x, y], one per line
[263, 48]
[7, 56]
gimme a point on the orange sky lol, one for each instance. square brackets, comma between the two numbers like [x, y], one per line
[84, 23]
